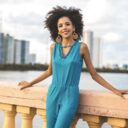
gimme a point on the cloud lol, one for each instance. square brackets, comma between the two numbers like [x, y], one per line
[14, 1]
[115, 17]
[107, 19]
[28, 18]
[112, 37]
[115, 52]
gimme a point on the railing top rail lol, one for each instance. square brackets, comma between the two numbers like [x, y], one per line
[103, 103]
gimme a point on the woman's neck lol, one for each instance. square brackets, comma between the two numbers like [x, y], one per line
[67, 41]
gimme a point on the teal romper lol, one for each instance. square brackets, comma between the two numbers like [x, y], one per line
[63, 94]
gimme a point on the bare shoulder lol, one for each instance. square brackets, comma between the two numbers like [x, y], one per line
[52, 45]
[83, 46]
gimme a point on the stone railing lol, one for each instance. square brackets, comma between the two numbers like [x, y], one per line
[96, 107]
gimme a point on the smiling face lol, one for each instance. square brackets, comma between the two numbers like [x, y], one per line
[65, 27]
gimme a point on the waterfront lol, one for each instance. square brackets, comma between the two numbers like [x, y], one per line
[118, 80]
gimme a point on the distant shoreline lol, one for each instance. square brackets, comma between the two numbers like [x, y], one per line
[43, 67]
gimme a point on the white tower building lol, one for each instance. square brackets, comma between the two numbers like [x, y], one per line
[97, 53]
[2, 48]
[17, 57]
[21, 52]
[88, 39]
[9, 49]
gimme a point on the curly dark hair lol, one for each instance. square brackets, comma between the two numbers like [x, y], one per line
[57, 12]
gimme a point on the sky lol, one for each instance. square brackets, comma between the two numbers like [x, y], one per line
[108, 19]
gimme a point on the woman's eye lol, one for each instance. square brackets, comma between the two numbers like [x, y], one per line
[67, 24]
[59, 26]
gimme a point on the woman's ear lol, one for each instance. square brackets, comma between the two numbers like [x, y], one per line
[74, 28]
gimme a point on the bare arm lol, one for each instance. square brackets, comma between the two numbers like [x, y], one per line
[44, 75]
[95, 76]
[48, 72]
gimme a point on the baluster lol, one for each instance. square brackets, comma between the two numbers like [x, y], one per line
[117, 122]
[10, 113]
[27, 116]
[42, 112]
[74, 122]
[93, 121]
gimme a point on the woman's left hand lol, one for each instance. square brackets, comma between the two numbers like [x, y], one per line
[124, 91]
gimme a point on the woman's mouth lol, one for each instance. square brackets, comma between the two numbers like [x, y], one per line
[65, 32]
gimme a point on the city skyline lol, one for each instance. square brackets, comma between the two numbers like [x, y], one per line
[14, 51]
[108, 22]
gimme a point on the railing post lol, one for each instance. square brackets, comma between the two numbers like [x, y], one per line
[93, 120]
[74, 122]
[117, 122]
[10, 112]
[27, 116]
[94, 125]
[42, 112]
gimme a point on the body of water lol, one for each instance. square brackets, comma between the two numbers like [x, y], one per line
[118, 80]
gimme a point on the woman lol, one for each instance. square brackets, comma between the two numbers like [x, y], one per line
[67, 55]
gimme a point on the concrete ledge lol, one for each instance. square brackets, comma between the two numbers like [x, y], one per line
[102, 103]
[31, 97]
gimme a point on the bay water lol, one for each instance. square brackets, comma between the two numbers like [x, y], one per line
[118, 80]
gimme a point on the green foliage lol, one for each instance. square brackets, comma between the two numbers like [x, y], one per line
[23, 67]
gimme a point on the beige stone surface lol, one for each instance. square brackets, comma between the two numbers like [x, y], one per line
[32, 97]
[117, 122]
[7, 107]
[40, 111]
[101, 103]
[9, 120]
[12, 90]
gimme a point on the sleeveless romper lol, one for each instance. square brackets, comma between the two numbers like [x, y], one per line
[63, 94]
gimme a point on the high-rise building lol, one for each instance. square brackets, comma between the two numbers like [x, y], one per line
[21, 55]
[97, 53]
[24, 52]
[1, 48]
[88, 38]
[94, 45]
[9, 49]
[17, 50]
[13, 51]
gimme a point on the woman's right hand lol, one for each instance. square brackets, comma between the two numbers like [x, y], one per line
[24, 84]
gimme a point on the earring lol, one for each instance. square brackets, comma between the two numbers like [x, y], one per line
[58, 39]
[75, 35]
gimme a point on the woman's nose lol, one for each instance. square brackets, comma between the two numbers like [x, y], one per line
[64, 26]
